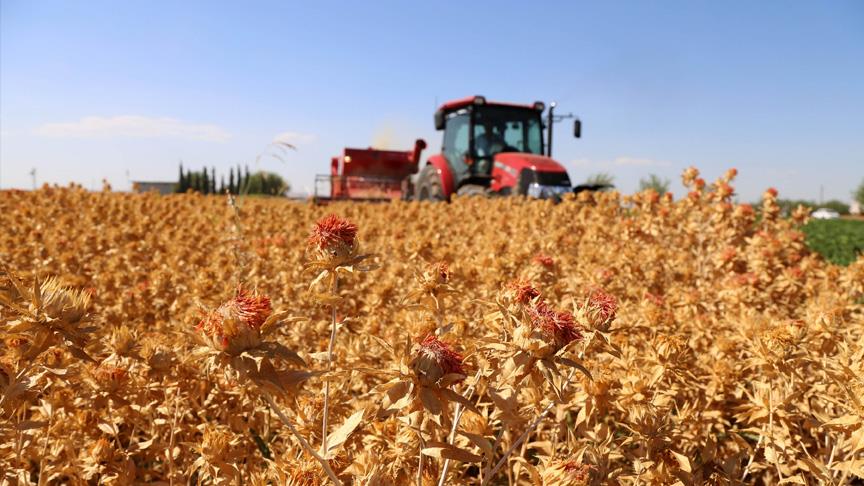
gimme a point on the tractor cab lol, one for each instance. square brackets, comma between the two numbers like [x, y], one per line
[495, 148]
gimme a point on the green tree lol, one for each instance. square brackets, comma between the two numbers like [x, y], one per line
[266, 183]
[182, 183]
[656, 183]
[205, 182]
[600, 179]
[858, 195]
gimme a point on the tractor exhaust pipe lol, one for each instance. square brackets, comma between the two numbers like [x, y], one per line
[419, 145]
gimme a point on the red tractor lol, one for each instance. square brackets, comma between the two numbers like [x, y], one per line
[494, 148]
[489, 148]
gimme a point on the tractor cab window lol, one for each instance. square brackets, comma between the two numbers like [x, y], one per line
[505, 129]
[457, 142]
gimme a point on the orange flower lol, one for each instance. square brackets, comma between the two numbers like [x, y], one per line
[236, 321]
[544, 260]
[332, 232]
[435, 359]
[523, 292]
[602, 307]
[111, 377]
[557, 326]
[566, 472]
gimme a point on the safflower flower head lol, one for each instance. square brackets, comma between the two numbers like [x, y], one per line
[558, 328]
[236, 324]
[522, 292]
[110, 377]
[544, 260]
[61, 303]
[332, 234]
[601, 308]
[567, 472]
[434, 359]
[689, 175]
[440, 271]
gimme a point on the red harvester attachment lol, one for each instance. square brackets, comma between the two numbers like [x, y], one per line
[369, 174]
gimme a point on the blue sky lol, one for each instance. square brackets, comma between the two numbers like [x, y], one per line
[125, 90]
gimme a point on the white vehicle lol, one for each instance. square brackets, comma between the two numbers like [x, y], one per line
[824, 213]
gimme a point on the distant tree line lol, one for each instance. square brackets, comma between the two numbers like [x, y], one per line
[239, 181]
[789, 205]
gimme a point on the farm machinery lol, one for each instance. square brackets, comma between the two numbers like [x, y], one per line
[488, 148]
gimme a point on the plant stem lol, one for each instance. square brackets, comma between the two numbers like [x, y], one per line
[534, 424]
[171, 440]
[457, 416]
[329, 366]
[420, 463]
[324, 464]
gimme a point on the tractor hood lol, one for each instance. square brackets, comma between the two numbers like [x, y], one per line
[517, 161]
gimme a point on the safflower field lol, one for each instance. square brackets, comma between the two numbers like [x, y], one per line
[605, 339]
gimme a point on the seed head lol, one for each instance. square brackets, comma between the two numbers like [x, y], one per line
[19, 345]
[434, 359]
[558, 327]
[690, 174]
[111, 377]
[523, 292]
[235, 325]
[544, 260]
[331, 233]
[62, 303]
[440, 271]
[569, 472]
[602, 308]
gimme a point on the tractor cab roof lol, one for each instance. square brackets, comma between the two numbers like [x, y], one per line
[451, 106]
[481, 100]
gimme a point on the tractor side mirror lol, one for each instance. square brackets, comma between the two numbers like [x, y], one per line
[439, 120]
[577, 128]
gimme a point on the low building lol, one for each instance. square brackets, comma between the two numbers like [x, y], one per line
[160, 187]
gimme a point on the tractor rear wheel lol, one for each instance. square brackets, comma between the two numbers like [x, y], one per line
[472, 190]
[429, 185]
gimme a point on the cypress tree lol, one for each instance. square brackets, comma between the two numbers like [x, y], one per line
[212, 180]
[205, 181]
[231, 187]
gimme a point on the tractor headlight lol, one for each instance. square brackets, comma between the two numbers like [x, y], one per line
[538, 191]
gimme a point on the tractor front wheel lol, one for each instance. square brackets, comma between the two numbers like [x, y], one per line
[429, 185]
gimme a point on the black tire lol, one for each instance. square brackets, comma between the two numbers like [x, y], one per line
[429, 185]
[472, 190]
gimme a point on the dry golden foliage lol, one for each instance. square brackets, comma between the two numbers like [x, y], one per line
[607, 339]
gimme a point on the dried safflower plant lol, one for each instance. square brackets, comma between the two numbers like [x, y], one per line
[232, 337]
[734, 356]
[334, 249]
